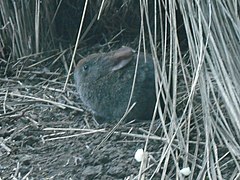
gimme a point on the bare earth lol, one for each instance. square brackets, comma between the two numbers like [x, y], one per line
[31, 149]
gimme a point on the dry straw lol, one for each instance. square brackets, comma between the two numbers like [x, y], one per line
[198, 76]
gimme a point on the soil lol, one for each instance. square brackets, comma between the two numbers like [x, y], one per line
[45, 133]
[44, 140]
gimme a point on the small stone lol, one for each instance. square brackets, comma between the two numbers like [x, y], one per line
[185, 171]
[139, 155]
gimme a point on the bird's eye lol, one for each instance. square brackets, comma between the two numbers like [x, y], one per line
[85, 67]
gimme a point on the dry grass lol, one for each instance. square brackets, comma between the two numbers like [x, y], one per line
[200, 123]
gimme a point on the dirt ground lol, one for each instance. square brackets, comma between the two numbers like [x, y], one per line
[47, 134]
[43, 139]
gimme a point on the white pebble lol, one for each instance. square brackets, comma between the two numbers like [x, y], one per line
[139, 155]
[185, 171]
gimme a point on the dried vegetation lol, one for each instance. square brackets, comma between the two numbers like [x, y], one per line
[195, 46]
